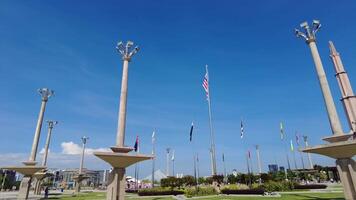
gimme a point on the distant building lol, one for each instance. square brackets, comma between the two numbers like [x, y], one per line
[273, 168]
[281, 169]
[64, 178]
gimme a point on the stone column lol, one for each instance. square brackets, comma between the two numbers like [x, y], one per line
[324, 85]
[38, 131]
[346, 168]
[116, 184]
[24, 188]
[123, 104]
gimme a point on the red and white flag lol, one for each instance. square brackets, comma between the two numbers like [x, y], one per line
[206, 83]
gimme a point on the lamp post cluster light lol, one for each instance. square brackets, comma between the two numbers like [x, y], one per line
[340, 147]
[120, 158]
[30, 168]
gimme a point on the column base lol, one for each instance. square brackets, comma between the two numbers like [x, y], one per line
[37, 188]
[77, 186]
[24, 188]
[116, 184]
[347, 171]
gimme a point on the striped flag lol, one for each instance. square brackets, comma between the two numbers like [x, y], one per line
[172, 156]
[191, 132]
[241, 130]
[153, 137]
[281, 130]
[297, 138]
[206, 83]
[136, 144]
[291, 145]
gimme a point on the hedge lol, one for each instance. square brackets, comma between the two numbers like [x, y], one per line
[159, 191]
[310, 186]
[247, 191]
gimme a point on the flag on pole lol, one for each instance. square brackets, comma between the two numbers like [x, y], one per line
[136, 144]
[191, 132]
[297, 138]
[153, 137]
[241, 130]
[206, 83]
[281, 130]
[249, 154]
[291, 145]
[223, 158]
[172, 156]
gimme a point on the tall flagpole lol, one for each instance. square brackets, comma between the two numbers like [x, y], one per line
[212, 142]
[153, 159]
[248, 169]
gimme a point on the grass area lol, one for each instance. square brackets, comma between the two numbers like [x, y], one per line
[297, 196]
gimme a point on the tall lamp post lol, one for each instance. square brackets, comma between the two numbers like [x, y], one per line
[81, 176]
[339, 147]
[119, 159]
[41, 175]
[30, 167]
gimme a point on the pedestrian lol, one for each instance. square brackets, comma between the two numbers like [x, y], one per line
[46, 192]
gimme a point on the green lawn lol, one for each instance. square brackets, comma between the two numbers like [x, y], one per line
[296, 196]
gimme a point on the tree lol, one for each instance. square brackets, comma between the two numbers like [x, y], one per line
[188, 180]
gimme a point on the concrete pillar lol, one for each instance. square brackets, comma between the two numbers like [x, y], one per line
[346, 168]
[123, 104]
[24, 188]
[77, 186]
[116, 184]
[38, 131]
[37, 187]
[328, 99]
[348, 98]
[48, 140]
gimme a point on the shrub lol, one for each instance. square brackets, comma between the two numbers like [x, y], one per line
[200, 191]
[171, 182]
[188, 180]
[272, 186]
[311, 186]
[236, 187]
[159, 191]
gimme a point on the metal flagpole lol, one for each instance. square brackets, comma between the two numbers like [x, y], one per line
[212, 145]
[167, 161]
[248, 170]
[305, 138]
[259, 163]
[153, 159]
[173, 158]
[198, 175]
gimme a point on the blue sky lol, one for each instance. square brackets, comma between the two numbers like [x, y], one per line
[259, 72]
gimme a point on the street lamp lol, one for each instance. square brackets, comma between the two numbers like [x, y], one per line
[45, 94]
[308, 34]
[126, 51]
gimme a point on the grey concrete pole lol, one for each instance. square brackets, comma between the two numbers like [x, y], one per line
[309, 36]
[348, 97]
[328, 99]
[45, 94]
[48, 140]
[123, 104]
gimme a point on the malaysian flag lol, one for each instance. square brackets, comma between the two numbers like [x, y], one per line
[297, 138]
[206, 83]
[136, 144]
[191, 132]
[281, 130]
[241, 130]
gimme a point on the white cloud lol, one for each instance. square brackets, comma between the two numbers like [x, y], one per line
[71, 148]
[43, 151]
